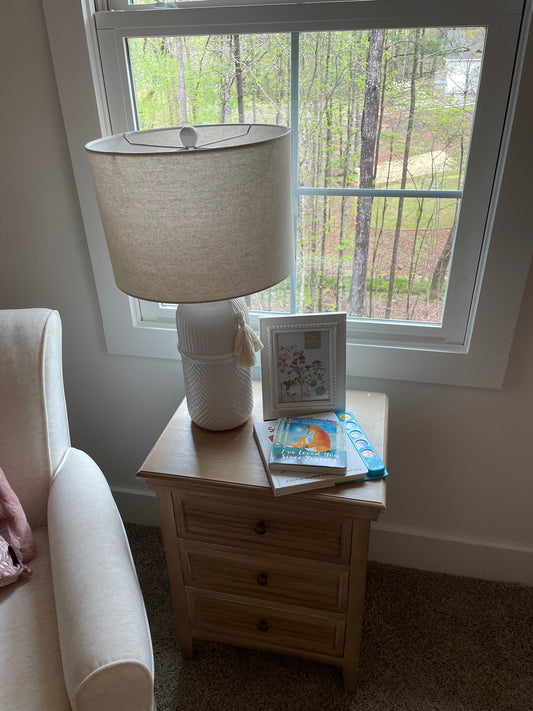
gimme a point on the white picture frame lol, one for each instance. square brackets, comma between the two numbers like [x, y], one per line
[303, 364]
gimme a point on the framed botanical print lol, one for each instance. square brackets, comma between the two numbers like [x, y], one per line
[303, 364]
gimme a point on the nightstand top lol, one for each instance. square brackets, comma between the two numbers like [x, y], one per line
[185, 451]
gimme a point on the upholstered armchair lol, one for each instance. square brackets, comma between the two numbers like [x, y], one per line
[74, 636]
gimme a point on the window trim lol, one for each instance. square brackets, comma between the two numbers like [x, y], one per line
[480, 362]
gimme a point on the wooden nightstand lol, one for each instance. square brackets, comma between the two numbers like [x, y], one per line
[282, 574]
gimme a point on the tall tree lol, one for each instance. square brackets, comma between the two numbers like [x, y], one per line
[238, 76]
[181, 80]
[369, 126]
[403, 182]
[347, 173]
[327, 177]
[226, 80]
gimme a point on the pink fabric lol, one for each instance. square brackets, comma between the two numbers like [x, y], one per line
[14, 526]
[11, 569]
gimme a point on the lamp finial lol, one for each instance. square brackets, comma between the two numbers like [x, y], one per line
[189, 136]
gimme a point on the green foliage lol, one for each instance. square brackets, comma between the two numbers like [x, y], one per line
[381, 284]
[209, 77]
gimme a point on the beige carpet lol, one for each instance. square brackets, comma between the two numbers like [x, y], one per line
[430, 642]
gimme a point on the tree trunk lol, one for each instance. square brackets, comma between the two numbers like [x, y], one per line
[226, 80]
[181, 81]
[327, 177]
[238, 76]
[317, 150]
[369, 127]
[347, 165]
[408, 136]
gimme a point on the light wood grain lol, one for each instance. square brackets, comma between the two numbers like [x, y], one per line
[265, 526]
[185, 450]
[284, 574]
[356, 599]
[266, 577]
[172, 554]
[249, 623]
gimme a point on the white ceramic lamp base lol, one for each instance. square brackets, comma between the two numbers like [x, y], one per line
[218, 389]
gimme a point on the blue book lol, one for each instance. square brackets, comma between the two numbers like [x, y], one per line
[309, 445]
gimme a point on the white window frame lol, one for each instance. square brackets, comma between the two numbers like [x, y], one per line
[469, 355]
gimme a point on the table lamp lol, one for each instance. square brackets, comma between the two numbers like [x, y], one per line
[200, 217]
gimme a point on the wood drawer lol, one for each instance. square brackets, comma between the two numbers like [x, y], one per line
[276, 578]
[264, 627]
[276, 527]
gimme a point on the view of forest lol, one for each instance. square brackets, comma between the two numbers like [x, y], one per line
[383, 109]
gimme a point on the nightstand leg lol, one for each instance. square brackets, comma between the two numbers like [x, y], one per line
[186, 649]
[356, 601]
[170, 542]
[350, 678]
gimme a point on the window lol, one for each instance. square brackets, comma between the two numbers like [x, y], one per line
[385, 112]
[399, 118]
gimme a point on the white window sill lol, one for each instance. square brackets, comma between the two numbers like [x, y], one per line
[483, 364]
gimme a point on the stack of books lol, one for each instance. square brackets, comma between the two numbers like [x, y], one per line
[315, 452]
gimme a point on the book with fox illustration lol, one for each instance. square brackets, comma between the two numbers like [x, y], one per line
[309, 445]
[289, 482]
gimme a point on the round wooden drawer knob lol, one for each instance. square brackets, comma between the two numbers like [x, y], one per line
[262, 626]
[262, 579]
[260, 528]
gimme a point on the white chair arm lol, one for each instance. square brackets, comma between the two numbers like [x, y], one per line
[105, 640]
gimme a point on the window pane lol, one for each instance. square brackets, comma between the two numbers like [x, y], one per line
[405, 275]
[388, 108]
[211, 79]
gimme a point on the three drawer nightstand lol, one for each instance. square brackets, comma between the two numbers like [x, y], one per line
[282, 574]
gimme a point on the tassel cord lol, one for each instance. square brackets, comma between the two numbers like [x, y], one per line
[246, 340]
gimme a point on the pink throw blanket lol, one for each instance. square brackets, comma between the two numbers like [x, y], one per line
[14, 526]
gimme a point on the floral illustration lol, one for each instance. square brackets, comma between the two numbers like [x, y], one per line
[299, 379]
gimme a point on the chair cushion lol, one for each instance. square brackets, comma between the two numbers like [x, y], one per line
[31, 673]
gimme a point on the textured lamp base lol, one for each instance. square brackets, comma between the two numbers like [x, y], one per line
[219, 395]
[218, 390]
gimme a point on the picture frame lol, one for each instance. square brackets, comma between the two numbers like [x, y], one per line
[303, 364]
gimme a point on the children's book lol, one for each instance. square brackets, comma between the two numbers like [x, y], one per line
[285, 482]
[310, 445]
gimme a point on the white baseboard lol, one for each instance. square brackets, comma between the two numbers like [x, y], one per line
[396, 545]
[443, 553]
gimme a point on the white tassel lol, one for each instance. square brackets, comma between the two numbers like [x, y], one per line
[246, 341]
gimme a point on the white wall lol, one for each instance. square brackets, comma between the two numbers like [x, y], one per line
[461, 460]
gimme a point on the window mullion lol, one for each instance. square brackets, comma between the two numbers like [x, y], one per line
[380, 192]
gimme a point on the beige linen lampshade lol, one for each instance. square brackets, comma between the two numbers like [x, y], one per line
[193, 215]
[199, 224]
